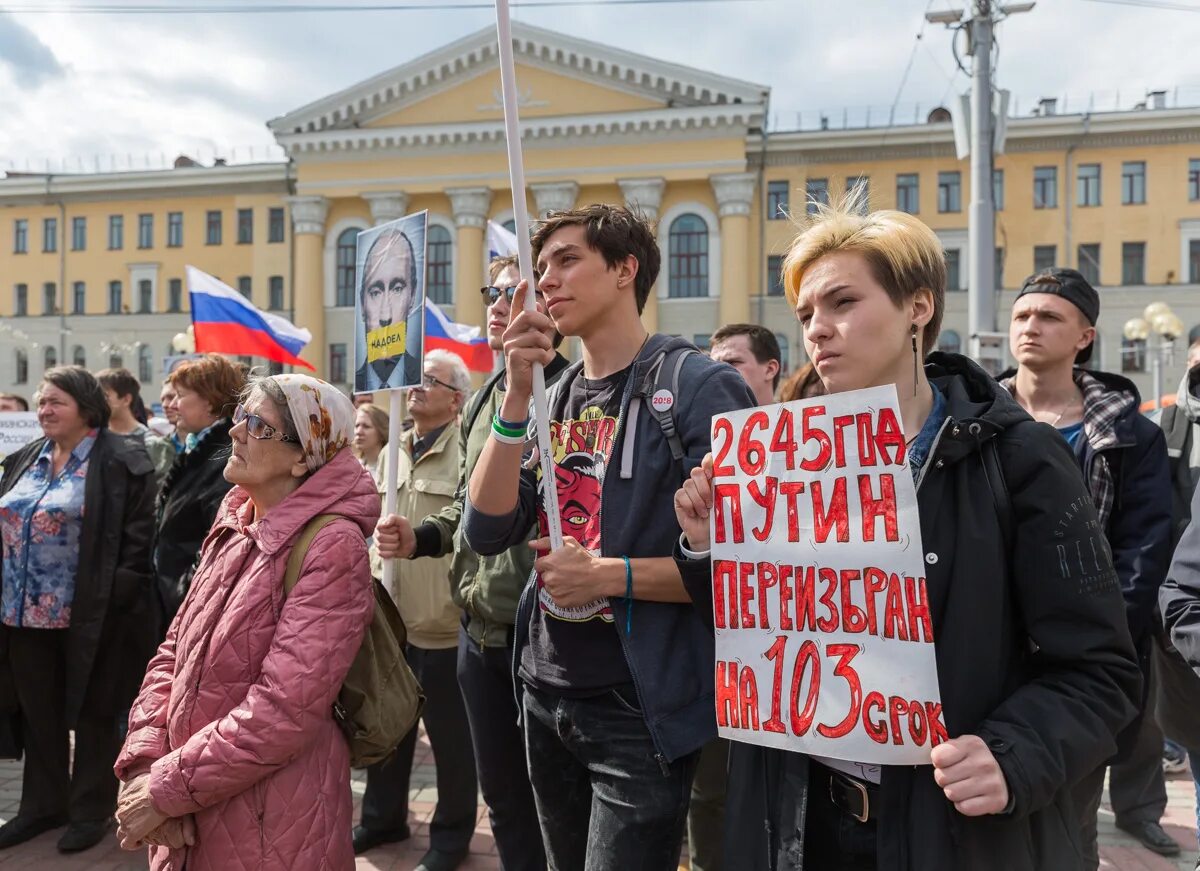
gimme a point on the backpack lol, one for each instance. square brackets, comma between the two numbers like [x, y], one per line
[380, 699]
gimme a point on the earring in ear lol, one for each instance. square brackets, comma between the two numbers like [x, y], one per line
[915, 364]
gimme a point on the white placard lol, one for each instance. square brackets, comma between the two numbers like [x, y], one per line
[17, 429]
[824, 633]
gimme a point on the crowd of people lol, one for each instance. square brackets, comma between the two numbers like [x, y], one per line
[146, 608]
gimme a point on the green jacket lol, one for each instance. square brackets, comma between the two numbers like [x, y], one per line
[485, 587]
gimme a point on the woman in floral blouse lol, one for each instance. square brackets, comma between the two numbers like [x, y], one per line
[78, 610]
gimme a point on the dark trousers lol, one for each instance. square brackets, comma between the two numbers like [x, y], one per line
[706, 813]
[485, 677]
[51, 785]
[385, 804]
[833, 839]
[1136, 787]
[604, 798]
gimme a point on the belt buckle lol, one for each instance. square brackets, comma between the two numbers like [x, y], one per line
[862, 791]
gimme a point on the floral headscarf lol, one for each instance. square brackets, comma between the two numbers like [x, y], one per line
[323, 415]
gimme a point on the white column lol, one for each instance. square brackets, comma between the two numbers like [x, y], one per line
[554, 197]
[643, 196]
[470, 207]
[308, 294]
[387, 206]
[735, 197]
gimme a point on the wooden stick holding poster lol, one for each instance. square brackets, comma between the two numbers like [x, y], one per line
[824, 633]
[389, 318]
[516, 176]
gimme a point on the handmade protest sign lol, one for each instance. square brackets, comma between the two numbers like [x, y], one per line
[824, 634]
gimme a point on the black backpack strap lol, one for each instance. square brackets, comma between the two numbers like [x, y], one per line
[1177, 428]
[478, 398]
[665, 376]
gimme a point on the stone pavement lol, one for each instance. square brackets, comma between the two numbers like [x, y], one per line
[1118, 851]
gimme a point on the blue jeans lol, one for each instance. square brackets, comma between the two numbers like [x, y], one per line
[604, 797]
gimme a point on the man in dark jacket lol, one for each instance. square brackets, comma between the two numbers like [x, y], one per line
[1123, 459]
[614, 663]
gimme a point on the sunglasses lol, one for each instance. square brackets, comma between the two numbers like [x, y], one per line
[428, 382]
[257, 428]
[491, 294]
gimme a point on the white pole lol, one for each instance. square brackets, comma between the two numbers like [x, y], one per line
[516, 175]
[981, 285]
[393, 463]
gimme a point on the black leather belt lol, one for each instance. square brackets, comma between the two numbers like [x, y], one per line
[853, 797]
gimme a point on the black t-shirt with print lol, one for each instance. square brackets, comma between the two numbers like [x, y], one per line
[576, 651]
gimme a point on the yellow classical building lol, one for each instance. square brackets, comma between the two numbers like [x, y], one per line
[93, 269]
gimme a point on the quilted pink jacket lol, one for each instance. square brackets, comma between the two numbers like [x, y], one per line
[233, 718]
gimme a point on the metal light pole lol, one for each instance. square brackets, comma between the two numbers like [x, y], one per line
[1167, 327]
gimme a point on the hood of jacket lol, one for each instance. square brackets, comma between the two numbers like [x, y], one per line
[1111, 406]
[972, 397]
[342, 487]
[1188, 398]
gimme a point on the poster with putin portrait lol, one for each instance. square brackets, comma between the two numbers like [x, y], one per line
[389, 304]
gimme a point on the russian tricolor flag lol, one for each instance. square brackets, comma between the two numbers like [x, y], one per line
[441, 332]
[225, 322]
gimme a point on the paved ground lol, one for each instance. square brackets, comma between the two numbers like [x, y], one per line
[1118, 852]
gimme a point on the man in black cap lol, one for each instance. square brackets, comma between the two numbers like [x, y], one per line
[1123, 458]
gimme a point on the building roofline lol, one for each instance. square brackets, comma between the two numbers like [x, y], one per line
[181, 180]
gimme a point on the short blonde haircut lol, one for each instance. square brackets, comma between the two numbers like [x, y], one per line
[903, 254]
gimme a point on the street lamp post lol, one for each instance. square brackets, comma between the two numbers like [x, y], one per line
[1167, 327]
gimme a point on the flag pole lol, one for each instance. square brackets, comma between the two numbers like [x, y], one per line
[516, 175]
[395, 408]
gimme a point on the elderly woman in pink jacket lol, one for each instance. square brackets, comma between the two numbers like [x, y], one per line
[233, 758]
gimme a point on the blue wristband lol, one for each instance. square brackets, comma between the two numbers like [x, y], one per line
[628, 597]
[508, 424]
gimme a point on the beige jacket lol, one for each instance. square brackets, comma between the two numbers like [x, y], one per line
[421, 588]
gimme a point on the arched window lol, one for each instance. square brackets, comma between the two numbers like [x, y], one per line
[116, 361]
[440, 268]
[22, 374]
[510, 225]
[1133, 355]
[79, 356]
[785, 354]
[687, 243]
[145, 364]
[347, 247]
[950, 342]
[51, 357]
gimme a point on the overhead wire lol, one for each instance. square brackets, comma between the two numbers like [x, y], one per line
[103, 8]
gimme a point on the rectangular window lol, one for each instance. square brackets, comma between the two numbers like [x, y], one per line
[79, 234]
[1089, 263]
[1087, 185]
[50, 235]
[20, 236]
[245, 219]
[998, 264]
[174, 229]
[863, 182]
[116, 232]
[1045, 187]
[79, 298]
[244, 286]
[49, 298]
[953, 269]
[145, 296]
[1044, 257]
[212, 228]
[1133, 183]
[114, 298]
[337, 362]
[1194, 261]
[20, 300]
[275, 225]
[950, 191]
[1133, 355]
[908, 192]
[275, 292]
[777, 200]
[998, 189]
[145, 231]
[775, 275]
[1133, 263]
[1194, 179]
[816, 190]
[175, 295]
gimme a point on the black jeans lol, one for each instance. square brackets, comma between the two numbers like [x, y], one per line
[604, 798]
[50, 785]
[833, 839]
[385, 804]
[485, 676]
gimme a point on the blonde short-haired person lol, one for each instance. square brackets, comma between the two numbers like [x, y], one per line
[1036, 669]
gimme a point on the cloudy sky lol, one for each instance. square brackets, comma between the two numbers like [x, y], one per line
[91, 89]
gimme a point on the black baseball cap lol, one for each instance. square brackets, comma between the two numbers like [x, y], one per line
[1074, 288]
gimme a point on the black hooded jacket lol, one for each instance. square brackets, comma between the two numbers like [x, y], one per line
[1032, 646]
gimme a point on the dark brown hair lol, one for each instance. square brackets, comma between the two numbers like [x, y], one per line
[802, 384]
[122, 383]
[614, 232]
[82, 386]
[216, 380]
[763, 344]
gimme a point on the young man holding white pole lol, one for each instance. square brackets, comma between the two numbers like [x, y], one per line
[614, 664]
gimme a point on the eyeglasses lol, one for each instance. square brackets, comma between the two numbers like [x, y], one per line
[257, 428]
[428, 382]
[491, 294]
